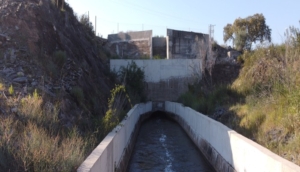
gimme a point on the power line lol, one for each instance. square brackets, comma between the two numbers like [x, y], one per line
[151, 11]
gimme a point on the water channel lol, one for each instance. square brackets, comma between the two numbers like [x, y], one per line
[162, 145]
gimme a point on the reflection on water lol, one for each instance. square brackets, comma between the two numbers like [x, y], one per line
[162, 145]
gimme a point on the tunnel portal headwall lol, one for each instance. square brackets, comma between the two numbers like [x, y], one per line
[225, 149]
[165, 80]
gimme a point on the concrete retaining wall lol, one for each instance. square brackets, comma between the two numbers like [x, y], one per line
[113, 152]
[166, 79]
[224, 148]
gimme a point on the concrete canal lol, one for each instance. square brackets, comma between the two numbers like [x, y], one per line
[162, 145]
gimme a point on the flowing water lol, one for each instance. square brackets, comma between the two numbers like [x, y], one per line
[162, 145]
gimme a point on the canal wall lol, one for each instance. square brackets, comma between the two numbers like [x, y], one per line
[113, 153]
[224, 148]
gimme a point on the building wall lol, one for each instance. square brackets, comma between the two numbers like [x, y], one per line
[131, 45]
[165, 79]
[186, 45]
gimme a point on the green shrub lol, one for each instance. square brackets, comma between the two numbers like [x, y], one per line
[118, 103]
[77, 92]
[59, 58]
[134, 78]
[52, 69]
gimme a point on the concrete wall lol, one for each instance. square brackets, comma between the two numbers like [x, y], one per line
[186, 45]
[113, 152]
[224, 148]
[132, 45]
[159, 46]
[165, 79]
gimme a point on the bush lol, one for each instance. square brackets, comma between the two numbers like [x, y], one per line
[133, 78]
[77, 93]
[118, 103]
[59, 58]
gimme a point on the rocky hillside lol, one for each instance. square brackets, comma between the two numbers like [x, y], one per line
[54, 86]
[44, 47]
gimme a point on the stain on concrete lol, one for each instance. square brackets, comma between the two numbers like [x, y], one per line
[186, 45]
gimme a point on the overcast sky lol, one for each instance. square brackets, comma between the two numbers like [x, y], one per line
[188, 15]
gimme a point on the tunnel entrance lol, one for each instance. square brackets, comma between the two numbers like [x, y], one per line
[162, 145]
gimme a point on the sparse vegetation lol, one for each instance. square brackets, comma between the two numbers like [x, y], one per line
[158, 57]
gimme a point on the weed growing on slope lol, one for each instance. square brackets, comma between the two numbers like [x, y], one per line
[35, 140]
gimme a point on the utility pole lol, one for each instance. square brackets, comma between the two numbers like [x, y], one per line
[211, 32]
[118, 28]
[96, 25]
[211, 60]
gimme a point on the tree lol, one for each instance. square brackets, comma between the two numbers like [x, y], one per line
[245, 31]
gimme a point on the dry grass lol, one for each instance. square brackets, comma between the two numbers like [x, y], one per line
[34, 140]
[2, 87]
[270, 115]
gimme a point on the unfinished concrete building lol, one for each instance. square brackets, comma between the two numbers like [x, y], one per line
[131, 44]
[186, 45]
[177, 45]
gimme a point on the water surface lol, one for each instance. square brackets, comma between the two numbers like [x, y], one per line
[162, 145]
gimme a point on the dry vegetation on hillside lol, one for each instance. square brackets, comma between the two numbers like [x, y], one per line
[263, 102]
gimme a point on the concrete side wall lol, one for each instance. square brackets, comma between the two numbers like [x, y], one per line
[186, 45]
[165, 79]
[109, 154]
[224, 148]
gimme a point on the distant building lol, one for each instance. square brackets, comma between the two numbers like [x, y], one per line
[132, 44]
[177, 45]
[186, 45]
